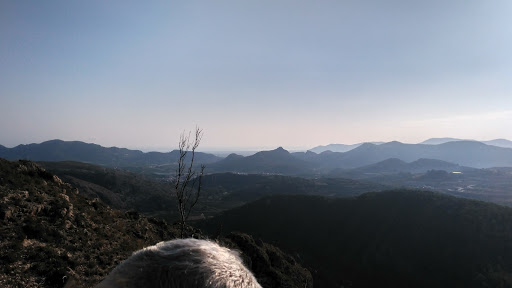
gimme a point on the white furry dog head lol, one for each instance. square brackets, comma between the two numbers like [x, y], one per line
[182, 263]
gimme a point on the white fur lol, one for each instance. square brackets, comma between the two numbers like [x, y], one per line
[182, 263]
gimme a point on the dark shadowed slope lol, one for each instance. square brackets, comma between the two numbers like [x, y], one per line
[236, 188]
[387, 239]
[395, 166]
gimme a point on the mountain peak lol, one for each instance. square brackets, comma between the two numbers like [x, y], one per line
[366, 145]
[392, 143]
[233, 156]
[277, 151]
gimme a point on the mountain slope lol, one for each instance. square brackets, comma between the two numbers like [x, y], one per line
[388, 239]
[117, 188]
[50, 233]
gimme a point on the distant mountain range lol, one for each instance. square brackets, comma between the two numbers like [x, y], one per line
[465, 153]
[496, 142]
[398, 157]
[432, 141]
[58, 150]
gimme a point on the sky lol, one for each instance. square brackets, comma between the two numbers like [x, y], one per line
[254, 74]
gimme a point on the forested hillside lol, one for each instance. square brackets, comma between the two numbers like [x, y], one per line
[397, 238]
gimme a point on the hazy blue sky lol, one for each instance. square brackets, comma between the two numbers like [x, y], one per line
[254, 73]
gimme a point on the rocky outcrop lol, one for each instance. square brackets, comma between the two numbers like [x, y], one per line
[51, 235]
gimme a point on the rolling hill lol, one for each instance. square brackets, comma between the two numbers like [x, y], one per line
[395, 166]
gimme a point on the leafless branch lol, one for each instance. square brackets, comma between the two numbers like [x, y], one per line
[186, 177]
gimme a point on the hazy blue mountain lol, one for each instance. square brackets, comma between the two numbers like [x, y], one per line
[58, 150]
[338, 147]
[437, 141]
[278, 161]
[496, 142]
[500, 143]
[464, 153]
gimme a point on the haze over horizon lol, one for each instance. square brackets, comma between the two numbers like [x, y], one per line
[254, 74]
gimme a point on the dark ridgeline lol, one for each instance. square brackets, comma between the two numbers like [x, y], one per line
[58, 150]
